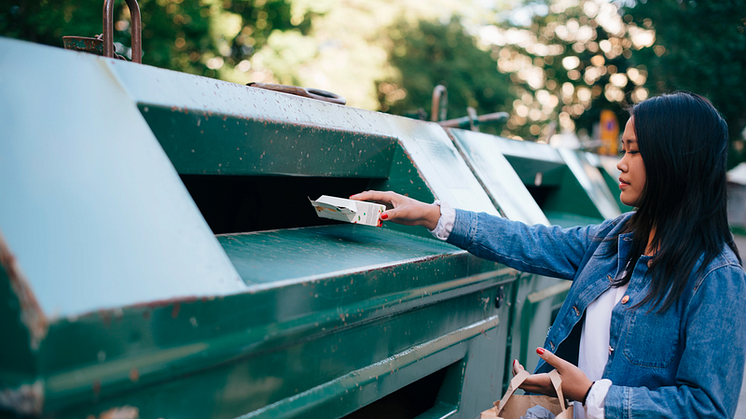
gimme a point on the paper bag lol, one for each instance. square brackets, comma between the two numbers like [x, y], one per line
[512, 406]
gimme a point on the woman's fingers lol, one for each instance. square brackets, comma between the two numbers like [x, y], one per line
[517, 367]
[553, 360]
[386, 198]
[538, 383]
[402, 209]
[575, 384]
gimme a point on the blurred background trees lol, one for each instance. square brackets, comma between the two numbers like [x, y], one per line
[554, 65]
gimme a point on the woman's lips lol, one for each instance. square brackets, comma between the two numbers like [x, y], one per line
[622, 184]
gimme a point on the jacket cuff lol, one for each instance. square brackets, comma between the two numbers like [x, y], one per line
[464, 229]
[616, 399]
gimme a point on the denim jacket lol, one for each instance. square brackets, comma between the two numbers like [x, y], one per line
[686, 362]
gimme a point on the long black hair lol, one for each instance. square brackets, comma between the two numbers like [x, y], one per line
[683, 141]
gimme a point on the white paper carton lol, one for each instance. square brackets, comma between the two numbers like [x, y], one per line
[356, 212]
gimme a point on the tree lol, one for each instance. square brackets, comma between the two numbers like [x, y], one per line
[429, 53]
[205, 37]
[701, 47]
[567, 64]
[577, 57]
[348, 46]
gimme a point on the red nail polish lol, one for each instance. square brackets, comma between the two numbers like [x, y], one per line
[384, 216]
[540, 351]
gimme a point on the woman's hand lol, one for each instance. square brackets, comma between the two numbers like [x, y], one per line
[575, 384]
[403, 210]
[535, 383]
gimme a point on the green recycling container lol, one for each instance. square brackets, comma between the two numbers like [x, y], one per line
[568, 189]
[159, 257]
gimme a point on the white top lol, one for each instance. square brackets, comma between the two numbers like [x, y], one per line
[594, 338]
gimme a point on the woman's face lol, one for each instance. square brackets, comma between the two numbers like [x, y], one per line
[632, 180]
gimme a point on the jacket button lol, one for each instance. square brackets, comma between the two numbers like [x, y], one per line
[577, 312]
[611, 350]
[625, 299]
[610, 278]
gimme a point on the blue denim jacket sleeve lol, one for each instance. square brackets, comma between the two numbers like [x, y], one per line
[711, 361]
[539, 249]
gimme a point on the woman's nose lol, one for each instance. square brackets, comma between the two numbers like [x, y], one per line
[621, 165]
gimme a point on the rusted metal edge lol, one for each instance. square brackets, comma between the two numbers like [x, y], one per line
[27, 399]
[124, 412]
[31, 313]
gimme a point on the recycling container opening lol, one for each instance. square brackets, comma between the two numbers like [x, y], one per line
[412, 400]
[235, 204]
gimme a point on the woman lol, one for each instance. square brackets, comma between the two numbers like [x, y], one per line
[654, 324]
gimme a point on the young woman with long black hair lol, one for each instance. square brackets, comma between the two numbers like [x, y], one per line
[654, 324]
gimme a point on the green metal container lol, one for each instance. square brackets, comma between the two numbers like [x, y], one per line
[569, 190]
[526, 181]
[606, 165]
[160, 258]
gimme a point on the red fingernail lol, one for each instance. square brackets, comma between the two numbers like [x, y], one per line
[384, 216]
[540, 351]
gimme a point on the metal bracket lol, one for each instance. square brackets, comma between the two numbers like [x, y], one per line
[317, 94]
[500, 297]
[103, 44]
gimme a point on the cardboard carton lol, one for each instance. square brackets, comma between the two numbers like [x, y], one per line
[356, 212]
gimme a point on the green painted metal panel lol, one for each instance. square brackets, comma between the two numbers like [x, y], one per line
[200, 143]
[131, 305]
[592, 182]
[607, 166]
[80, 189]
[498, 177]
[567, 188]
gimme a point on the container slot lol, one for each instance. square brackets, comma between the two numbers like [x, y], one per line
[406, 403]
[239, 204]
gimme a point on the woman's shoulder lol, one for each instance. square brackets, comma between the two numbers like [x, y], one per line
[724, 266]
[612, 226]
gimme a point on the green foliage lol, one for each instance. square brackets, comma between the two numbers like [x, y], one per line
[700, 47]
[567, 66]
[47, 21]
[594, 56]
[428, 54]
[574, 59]
[182, 35]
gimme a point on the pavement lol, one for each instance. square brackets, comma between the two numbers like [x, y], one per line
[741, 411]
